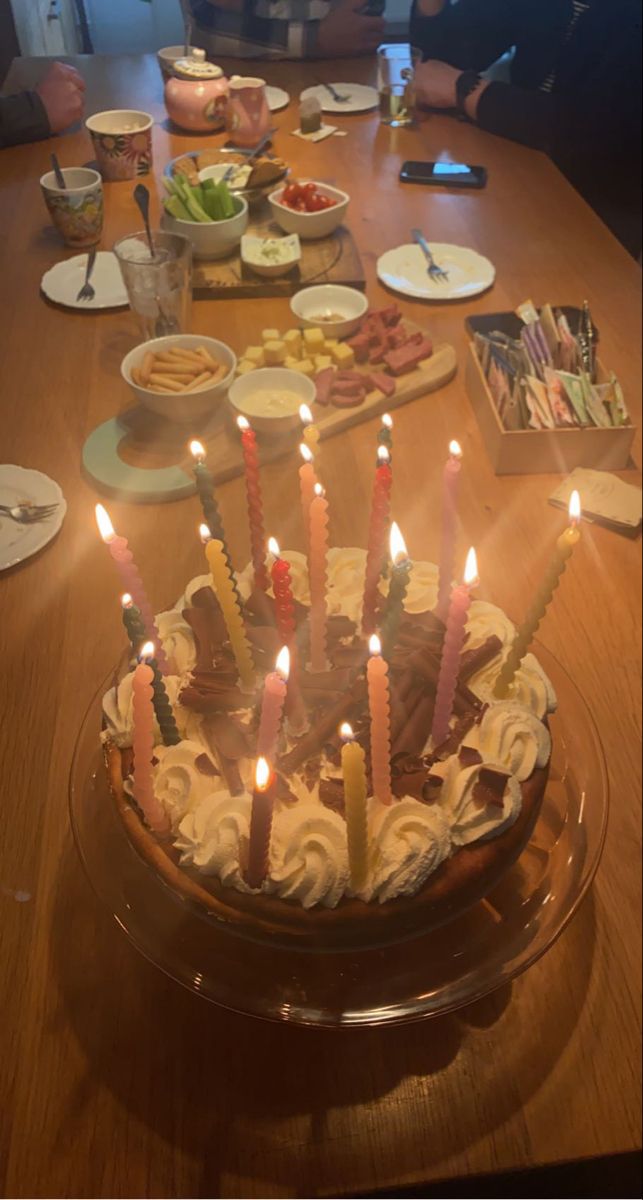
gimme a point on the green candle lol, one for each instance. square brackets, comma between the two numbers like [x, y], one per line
[399, 582]
[160, 699]
[133, 622]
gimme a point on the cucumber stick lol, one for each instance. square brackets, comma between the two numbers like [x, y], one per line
[209, 201]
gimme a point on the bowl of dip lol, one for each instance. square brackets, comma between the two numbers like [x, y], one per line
[270, 256]
[329, 306]
[270, 398]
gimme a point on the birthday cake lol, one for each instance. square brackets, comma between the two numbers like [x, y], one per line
[456, 817]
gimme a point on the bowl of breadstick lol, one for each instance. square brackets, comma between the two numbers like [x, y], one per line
[181, 377]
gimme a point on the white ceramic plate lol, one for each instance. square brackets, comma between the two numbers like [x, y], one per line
[63, 282]
[360, 97]
[17, 485]
[404, 269]
[277, 98]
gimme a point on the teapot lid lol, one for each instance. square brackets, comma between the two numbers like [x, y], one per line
[195, 66]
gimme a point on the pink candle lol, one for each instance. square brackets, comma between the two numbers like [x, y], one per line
[274, 695]
[260, 824]
[451, 650]
[285, 618]
[143, 744]
[380, 713]
[317, 575]
[132, 582]
[450, 479]
[307, 481]
[255, 504]
[377, 531]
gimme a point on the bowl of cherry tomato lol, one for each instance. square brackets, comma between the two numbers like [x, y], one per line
[313, 210]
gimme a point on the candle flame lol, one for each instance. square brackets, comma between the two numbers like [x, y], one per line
[387, 420]
[471, 568]
[282, 665]
[198, 450]
[346, 732]
[318, 489]
[273, 547]
[305, 414]
[204, 532]
[397, 545]
[146, 651]
[455, 449]
[383, 454]
[262, 775]
[242, 424]
[574, 507]
[306, 452]
[126, 600]
[374, 644]
[105, 527]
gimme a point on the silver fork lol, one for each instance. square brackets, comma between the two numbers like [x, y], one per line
[27, 514]
[87, 292]
[433, 269]
[337, 97]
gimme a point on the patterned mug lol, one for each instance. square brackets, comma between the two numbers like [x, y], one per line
[76, 211]
[122, 142]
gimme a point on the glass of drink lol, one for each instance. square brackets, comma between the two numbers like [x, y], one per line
[396, 66]
[159, 286]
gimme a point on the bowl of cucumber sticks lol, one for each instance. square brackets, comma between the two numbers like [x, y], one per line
[208, 213]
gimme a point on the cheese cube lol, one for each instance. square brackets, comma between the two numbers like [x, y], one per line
[314, 340]
[330, 344]
[274, 352]
[245, 366]
[343, 355]
[291, 363]
[322, 361]
[255, 355]
[292, 341]
[306, 366]
[270, 335]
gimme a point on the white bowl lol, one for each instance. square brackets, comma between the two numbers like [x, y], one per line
[191, 405]
[309, 303]
[211, 239]
[310, 225]
[271, 270]
[246, 391]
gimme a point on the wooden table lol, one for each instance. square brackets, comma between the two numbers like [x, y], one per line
[113, 1080]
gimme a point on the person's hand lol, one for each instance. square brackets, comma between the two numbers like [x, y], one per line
[435, 84]
[62, 93]
[347, 32]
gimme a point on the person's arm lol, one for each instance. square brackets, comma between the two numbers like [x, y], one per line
[23, 118]
[470, 35]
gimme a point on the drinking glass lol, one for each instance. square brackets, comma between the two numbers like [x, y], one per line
[396, 66]
[159, 288]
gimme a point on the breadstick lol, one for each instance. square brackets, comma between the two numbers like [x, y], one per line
[199, 382]
[167, 381]
[206, 356]
[136, 376]
[180, 352]
[177, 369]
[147, 367]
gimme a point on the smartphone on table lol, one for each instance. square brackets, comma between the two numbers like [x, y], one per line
[444, 174]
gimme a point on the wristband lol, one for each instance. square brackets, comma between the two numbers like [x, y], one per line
[465, 84]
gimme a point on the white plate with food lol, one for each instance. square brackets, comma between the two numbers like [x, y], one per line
[357, 97]
[277, 98]
[63, 282]
[19, 485]
[404, 270]
[270, 256]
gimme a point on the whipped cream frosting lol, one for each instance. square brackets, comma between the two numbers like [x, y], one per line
[178, 782]
[531, 688]
[119, 714]
[486, 619]
[309, 855]
[215, 835]
[409, 840]
[178, 641]
[468, 819]
[422, 590]
[513, 737]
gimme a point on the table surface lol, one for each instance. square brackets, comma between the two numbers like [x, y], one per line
[116, 1082]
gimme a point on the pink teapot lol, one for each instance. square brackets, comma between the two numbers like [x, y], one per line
[247, 114]
[196, 94]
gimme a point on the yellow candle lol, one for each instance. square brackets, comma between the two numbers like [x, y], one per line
[310, 432]
[223, 586]
[354, 772]
[541, 601]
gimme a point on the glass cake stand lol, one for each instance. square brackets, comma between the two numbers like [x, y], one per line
[431, 974]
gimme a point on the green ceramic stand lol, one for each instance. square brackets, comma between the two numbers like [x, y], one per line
[106, 470]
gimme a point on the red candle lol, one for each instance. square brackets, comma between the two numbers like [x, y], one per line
[307, 481]
[380, 714]
[451, 650]
[143, 743]
[376, 550]
[255, 505]
[260, 824]
[450, 480]
[285, 618]
[317, 574]
[132, 582]
[274, 695]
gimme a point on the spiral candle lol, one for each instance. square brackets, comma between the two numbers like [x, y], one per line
[310, 431]
[400, 575]
[451, 650]
[132, 582]
[133, 622]
[450, 479]
[223, 583]
[285, 618]
[255, 505]
[260, 824]
[307, 481]
[143, 746]
[379, 708]
[274, 695]
[317, 574]
[354, 773]
[161, 701]
[376, 548]
[385, 433]
[205, 488]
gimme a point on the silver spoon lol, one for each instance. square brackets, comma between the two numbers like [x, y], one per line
[60, 178]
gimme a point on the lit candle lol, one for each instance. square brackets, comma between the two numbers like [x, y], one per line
[450, 480]
[380, 714]
[307, 481]
[385, 432]
[452, 648]
[260, 824]
[400, 574]
[310, 431]
[564, 548]
[143, 745]
[132, 582]
[317, 574]
[161, 700]
[285, 618]
[222, 580]
[133, 622]
[274, 695]
[354, 773]
[255, 506]
[205, 488]
[376, 546]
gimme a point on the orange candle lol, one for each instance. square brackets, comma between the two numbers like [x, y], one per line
[310, 431]
[143, 743]
[380, 714]
[317, 573]
[307, 481]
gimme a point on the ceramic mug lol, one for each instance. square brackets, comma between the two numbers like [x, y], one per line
[247, 114]
[76, 210]
[122, 141]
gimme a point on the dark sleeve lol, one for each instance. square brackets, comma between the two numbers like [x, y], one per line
[518, 113]
[470, 35]
[23, 118]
